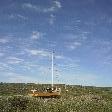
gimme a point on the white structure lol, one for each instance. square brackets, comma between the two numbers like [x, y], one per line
[52, 70]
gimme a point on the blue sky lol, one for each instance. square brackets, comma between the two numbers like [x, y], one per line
[79, 31]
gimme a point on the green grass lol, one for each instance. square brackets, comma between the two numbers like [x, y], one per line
[77, 99]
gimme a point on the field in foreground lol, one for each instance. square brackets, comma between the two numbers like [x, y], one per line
[14, 98]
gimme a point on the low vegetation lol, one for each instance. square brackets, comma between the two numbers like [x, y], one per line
[14, 98]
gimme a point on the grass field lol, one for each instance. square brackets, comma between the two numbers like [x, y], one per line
[14, 98]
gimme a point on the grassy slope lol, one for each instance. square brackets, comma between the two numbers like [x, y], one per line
[77, 99]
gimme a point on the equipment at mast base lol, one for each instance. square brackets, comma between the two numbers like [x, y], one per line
[48, 93]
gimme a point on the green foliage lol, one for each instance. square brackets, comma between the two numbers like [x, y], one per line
[14, 98]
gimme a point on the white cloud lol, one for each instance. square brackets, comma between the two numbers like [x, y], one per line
[107, 60]
[5, 67]
[74, 45]
[59, 57]
[55, 6]
[52, 44]
[29, 5]
[18, 78]
[58, 4]
[14, 60]
[51, 9]
[17, 16]
[71, 37]
[37, 35]
[3, 40]
[51, 19]
[36, 52]
[45, 70]
[74, 41]
[30, 66]
[69, 64]
[43, 53]
[21, 17]
[102, 50]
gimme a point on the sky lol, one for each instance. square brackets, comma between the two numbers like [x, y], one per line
[78, 31]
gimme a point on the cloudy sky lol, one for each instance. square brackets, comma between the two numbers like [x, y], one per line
[79, 31]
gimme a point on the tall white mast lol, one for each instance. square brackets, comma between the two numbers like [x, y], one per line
[52, 68]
